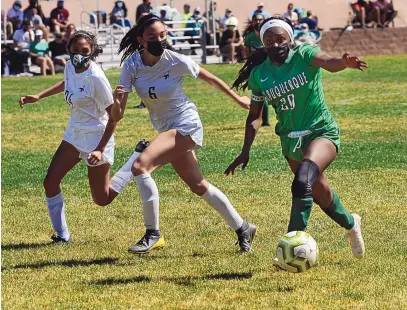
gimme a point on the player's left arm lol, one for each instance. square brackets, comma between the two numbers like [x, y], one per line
[216, 82]
[336, 64]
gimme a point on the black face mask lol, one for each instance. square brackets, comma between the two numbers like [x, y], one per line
[278, 54]
[156, 48]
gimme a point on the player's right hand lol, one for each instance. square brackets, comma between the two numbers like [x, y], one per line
[28, 99]
[242, 159]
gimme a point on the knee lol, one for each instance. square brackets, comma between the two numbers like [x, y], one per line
[50, 183]
[138, 167]
[199, 188]
[306, 175]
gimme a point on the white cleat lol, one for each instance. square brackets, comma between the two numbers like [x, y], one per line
[355, 238]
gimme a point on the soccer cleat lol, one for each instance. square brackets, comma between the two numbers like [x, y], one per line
[245, 237]
[150, 241]
[141, 146]
[57, 239]
[355, 238]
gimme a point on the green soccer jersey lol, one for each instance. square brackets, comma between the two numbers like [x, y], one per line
[294, 90]
[253, 41]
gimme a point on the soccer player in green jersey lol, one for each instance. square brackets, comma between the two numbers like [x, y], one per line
[289, 78]
[252, 43]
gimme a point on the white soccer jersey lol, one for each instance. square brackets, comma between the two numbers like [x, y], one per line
[160, 86]
[88, 94]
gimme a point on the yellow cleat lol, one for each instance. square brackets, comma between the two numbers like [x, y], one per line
[150, 241]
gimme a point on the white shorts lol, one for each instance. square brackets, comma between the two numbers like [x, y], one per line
[188, 123]
[86, 141]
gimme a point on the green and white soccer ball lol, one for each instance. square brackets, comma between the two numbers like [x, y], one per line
[297, 251]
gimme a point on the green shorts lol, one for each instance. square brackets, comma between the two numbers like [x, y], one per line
[294, 143]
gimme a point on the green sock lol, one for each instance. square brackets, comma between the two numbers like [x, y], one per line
[338, 213]
[265, 114]
[300, 212]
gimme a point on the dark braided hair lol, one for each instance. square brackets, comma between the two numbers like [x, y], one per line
[129, 44]
[249, 27]
[90, 38]
[255, 59]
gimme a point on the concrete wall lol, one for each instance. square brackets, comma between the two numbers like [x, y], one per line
[331, 13]
[365, 42]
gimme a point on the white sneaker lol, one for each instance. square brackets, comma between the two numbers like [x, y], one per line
[355, 238]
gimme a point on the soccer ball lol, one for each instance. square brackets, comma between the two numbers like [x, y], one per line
[297, 251]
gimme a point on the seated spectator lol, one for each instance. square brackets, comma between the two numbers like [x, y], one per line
[59, 53]
[291, 15]
[23, 37]
[39, 50]
[383, 12]
[70, 29]
[224, 20]
[362, 8]
[310, 20]
[231, 41]
[36, 22]
[33, 4]
[305, 36]
[13, 62]
[260, 10]
[251, 35]
[118, 15]
[59, 18]
[163, 15]
[196, 16]
[14, 18]
[143, 9]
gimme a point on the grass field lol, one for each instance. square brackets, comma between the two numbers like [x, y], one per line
[199, 268]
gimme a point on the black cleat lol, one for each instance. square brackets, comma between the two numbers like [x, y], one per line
[245, 236]
[141, 146]
[57, 239]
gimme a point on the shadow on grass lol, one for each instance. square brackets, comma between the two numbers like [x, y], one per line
[66, 263]
[116, 281]
[23, 246]
[182, 281]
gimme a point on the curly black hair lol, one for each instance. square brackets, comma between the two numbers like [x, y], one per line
[255, 59]
[90, 38]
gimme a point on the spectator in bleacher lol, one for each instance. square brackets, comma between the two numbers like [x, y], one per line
[13, 61]
[33, 4]
[291, 15]
[70, 30]
[14, 18]
[231, 42]
[197, 17]
[23, 37]
[59, 53]
[39, 50]
[59, 18]
[187, 14]
[310, 20]
[305, 36]
[260, 10]
[36, 22]
[212, 33]
[143, 9]
[224, 20]
[362, 8]
[118, 15]
[163, 15]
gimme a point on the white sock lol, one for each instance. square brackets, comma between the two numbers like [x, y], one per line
[56, 208]
[124, 175]
[150, 200]
[215, 198]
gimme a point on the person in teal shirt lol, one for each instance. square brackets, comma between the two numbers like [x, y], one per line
[252, 43]
[289, 77]
[39, 54]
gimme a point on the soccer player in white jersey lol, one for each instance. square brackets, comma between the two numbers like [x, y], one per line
[89, 135]
[157, 74]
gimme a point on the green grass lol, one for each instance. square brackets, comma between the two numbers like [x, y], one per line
[199, 268]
